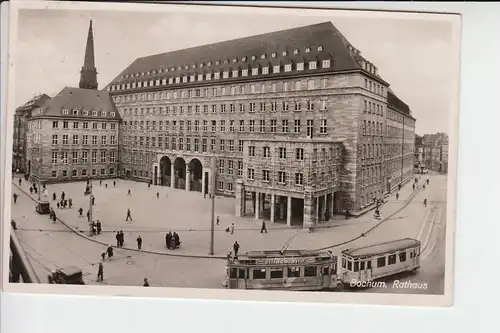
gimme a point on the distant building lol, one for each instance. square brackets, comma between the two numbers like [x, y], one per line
[21, 116]
[419, 158]
[297, 120]
[436, 152]
[75, 134]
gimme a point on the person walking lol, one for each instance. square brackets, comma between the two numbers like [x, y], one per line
[63, 195]
[88, 215]
[157, 195]
[146, 282]
[98, 227]
[114, 183]
[217, 223]
[103, 255]
[80, 212]
[263, 228]
[94, 228]
[129, 192]
[54, 196]
[93, 200]
[122, 238]
[100, 272]
[70, 203]
[425, 202]
[129, 216]
[20, 181]
[397, 195]
[236, 248]
[15, 197]
[117, 236]
[232, 228]
[139, 242]
[31, 190]
[109, 251]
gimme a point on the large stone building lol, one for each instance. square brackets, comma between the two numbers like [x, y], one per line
[21, 116]
[436, 151]
[297, 120]
[75, 134]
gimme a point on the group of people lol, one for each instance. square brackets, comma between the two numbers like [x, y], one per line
[63, 202]
[96, 228]
[172, 240]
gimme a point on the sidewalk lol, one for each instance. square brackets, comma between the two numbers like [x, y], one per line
[189, 214]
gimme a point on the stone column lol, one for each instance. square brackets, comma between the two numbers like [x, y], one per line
[203, 192]
[272, 207]
[323, 213]
[316, 209]
[257, 205]
[172, 175]
[188, 180]
[289, 211]
[240, 198]
[308, 207]
[332, 204]
[282, 208]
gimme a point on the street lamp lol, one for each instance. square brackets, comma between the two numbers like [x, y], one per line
[39, 162]
[89, 180]
[212, 224]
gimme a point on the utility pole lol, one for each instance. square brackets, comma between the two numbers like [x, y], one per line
[212, 223]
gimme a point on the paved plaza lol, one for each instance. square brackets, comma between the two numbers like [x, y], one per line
[188, 213]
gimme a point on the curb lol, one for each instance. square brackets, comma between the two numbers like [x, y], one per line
[80, 233]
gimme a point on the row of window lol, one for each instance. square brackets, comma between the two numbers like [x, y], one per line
[374, 87]
[82, 172]
[390, 259]
[284, 106]
[370, 198]
[278, 273]
[76, 112]
[72, 157]
[237, 126]
[217, 62]
[371, 175]
[373, 128]
[85, 125]
[215, 74]
[84, 140]
[373, 108]
[299, 153]
[281, 176]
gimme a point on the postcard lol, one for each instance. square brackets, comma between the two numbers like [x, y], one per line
[231, 152]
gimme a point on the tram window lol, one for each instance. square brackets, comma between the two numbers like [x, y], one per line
[259, 273]
[241, 273]
[369, 264]
[418, 251]
[293, 271]
[232, 273]
[334, 269]
[362, 265]
[402, 256]
[343, 262]
[276, 273]
[392, 259]
[411, 254]
[381, 262]
[356, 266]
[310, 271]
[325, 270]
[349, 265]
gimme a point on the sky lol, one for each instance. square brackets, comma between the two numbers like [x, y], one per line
[412, 54]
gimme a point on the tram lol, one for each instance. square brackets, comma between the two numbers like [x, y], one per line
[362, 265]
[298, 270]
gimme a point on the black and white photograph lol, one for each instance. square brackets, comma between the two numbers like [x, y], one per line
[232, 152]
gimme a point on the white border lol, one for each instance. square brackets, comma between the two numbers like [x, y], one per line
[477, 160]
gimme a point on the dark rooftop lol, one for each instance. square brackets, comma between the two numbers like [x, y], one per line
[36, 101]
[79, 99]
[238, 53]
[380, 248]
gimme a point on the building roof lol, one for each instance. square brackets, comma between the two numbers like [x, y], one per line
[36, 101]
[81, 100]
[381, 248]
[238, 54]
[396, 103]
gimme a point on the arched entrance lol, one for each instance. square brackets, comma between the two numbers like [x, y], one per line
[179, 173]
[165, 176]
[195, 175]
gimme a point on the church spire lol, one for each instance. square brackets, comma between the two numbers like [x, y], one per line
[88, 74]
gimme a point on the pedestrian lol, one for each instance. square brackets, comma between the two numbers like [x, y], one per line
[106, 185]
[58, 204]
[109, 250]
[423, 186]
[80, 212]
[31, 190]
[103, 255]
[146, 282]
[63, 195]
[93, 200]
[122, 238]
[263, 228]
[427, 181]
[117, 239]
[100, 182]
[397, 195]
[129, 216]
[54, 218]
[100, 272]
[139, 242]
[70, 203]
[35, 189]
[414, 186]
[88, 215]
[129, 192]
[217, 221]
[232, 228]
[149, 185]
[157, 195]
[20, 181]
[94, 228]
[54, 196]
[425, 202]
[65, 203]
[98, 227]
[236, 247]
[15, 197]
[114, 183]
[168, 239]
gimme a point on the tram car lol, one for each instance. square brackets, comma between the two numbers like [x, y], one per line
[298, 270]
[364, 264]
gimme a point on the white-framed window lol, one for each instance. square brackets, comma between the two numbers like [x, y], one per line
[312, 64]
[265, 175]
[251, 174]
[323, 104]
[54, 157]
[75, 139]
[308, 49]
[296, 51]
[310, 84]
[216, 75]
[235, 73]
[284, 53]
[296, 126]
[220, 186]
[225, 74]
[281, 177]
[282, 152]
[299, 179]
[288, 68]
[184, 79]
[325, 63]
[276, 69]
[299, 154]
[251, 151]
[94, 113]
[265, 70]
[320, 48]
[244, 72]
[65, 139]
[255, 71]
[54, 139]
[322, 126]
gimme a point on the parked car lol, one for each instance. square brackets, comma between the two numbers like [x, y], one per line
[66, 275]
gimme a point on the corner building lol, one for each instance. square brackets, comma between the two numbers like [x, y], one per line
[291, 123]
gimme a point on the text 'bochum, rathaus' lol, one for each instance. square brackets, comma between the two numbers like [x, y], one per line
[298, 121]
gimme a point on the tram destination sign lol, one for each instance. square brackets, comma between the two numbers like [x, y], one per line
[285, 261]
